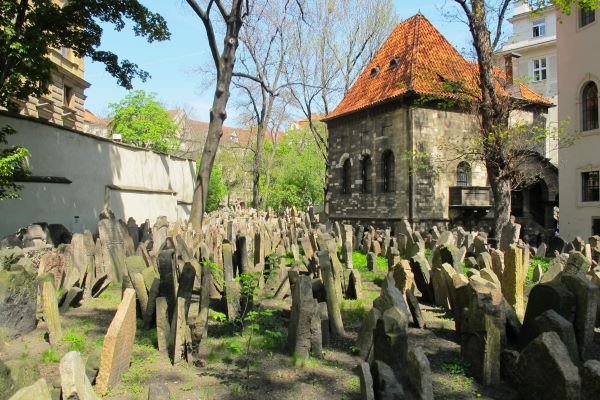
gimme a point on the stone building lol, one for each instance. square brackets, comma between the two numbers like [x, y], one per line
[533, 40]
[64, 104]
[407, 103]
[578, 84]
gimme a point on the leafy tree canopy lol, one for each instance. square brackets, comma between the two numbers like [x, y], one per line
[297, 177]
[12, 164]
[216, 188]
[144, 122]
[29, 29]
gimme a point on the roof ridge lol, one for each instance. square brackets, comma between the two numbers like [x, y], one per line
[416, 37]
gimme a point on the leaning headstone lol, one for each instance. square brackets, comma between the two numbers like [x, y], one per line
[73, 379]
[551, 321]
[38, 391]
[556, 244]
[364, 341]
[497, 263]
[118, 344]
[548, 296]
[385, 383]
[510, 234]
[366, 382]
[537, 273]
[513, 279]
[421, 271]
[177, 334]
[50, 305]
[371, 261]
[590, 379]
[586, 294]
[546, 370]
[541, 250]
[333, 307]
[555, 268]
[419, 373]
[577, 264]
[390, 339]
[304, 333]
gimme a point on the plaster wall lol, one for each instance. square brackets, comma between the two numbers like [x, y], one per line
[133, 182]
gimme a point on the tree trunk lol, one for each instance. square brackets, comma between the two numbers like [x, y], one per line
[258, 155]
[502, 200]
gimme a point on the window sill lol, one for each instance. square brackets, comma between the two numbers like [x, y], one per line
[582, 28]
[588, 204]
[591, 132]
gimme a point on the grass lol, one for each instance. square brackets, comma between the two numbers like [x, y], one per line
[354, 311]
[144, 354]
[533, 262]
[74, 341]
[457, 381]
[359, 261]
[428, 253]
[49, 356]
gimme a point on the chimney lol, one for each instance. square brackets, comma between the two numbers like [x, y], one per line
[508, 67]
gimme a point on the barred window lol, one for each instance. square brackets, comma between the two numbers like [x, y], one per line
[346, 177]
[387, 171]
[589, 106]
[463, 174]
[366, 169]
[586, 17]
[590, 186]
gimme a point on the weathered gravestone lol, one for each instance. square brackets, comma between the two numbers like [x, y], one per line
[304, 333]
[546, 371]
[118, 344]
[510, 234]
[73, 380]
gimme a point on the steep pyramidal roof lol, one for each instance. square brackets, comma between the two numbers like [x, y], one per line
[417, 58]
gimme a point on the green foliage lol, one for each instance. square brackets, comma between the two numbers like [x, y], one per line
[49, 356]
[13, 163]
[354, 311]
[359, 261]
[74, 341]
[30, 30]
[455, 367]
[217, 316]
[298, 172]
[144, 122]
[534, 262]
[216, 188]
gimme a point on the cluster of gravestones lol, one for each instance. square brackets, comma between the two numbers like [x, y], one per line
[545, 357]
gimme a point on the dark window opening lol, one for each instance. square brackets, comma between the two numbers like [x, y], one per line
[67, 95]
[366, 168]
[586, 17]
[595, 226]
[590, 186]
[394, 62]
[346, 184]
[463, 174]
[387, 171]
[589, 107]
[374, 71]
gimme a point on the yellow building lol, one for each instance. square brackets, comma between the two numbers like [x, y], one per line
[64, 102]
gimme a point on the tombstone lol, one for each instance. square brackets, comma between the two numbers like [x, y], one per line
[415, 309]
[510, 234]
[586, 294]
[555, 268]
[498, 263]
[546, 370]
[541, 250]
[177, 334]
[199, 325]
[364, 340]
[118, 344]
[480, 320]
[333, 306]
[577, 264]
[421, 271]
[366, 381]
[390, 339]
[419, 373]
[536, 275]
[556, 244]
[347, 254]
[304, 333]
[371, 261]
[551, 321]
[50, 306]
[54, 263]
[484, 260]
[453, 256]
[385, 383]
[38, 391]
[513, 282]
[590, 379]
[167, 288]
[354, 286]
[73, 380]
[403, 276]
[393, 258]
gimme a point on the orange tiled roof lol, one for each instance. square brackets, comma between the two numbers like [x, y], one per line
[417, 58]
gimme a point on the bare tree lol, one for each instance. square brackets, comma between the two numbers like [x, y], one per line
[224, 60]
[259, 75]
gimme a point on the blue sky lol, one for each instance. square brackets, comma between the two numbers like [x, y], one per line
[173, 64]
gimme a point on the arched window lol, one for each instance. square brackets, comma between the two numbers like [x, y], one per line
[387, 171]
[589, 106]
[346, 178]
[365, 170]
[463, 174]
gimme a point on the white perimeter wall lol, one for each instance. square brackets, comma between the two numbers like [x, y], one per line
[133, 182]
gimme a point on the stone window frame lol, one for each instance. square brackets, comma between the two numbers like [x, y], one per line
[388, 173]
[366, 174]
[464, 174]
[590, 113]
[346, 187]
